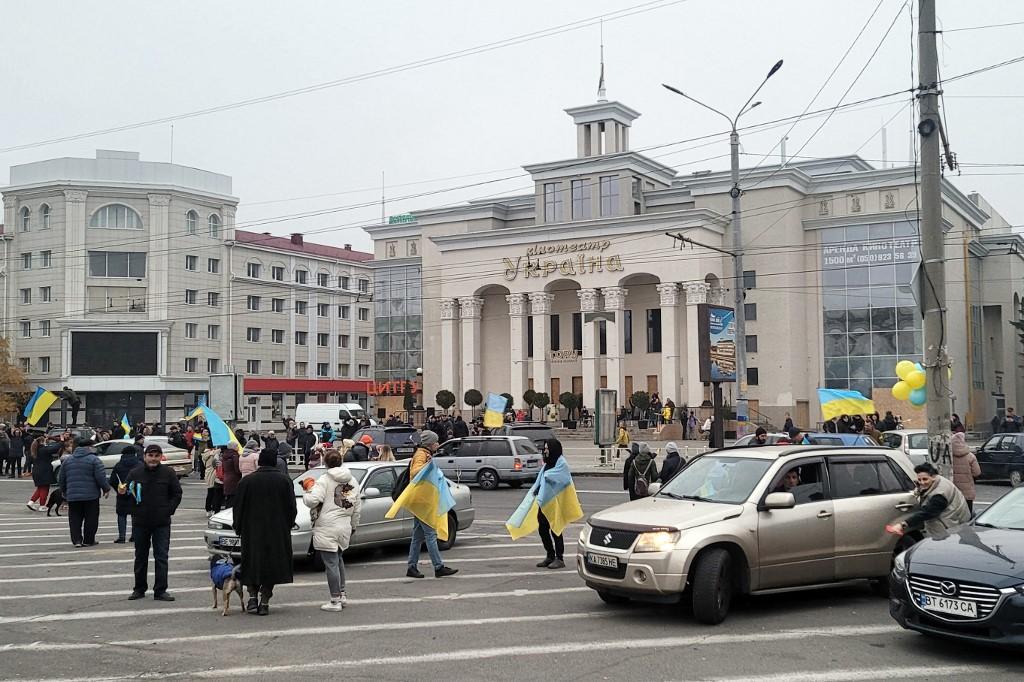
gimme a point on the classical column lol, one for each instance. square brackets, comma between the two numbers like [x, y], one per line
[588, 304]
[540, 310]
[615, 369]
[450, 374]
[157, 271]
[670, 366]
[75, 258]
[696, 293]
[517, 346]
[469, 312]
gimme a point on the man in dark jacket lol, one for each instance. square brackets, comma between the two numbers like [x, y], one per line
[459, 428]
[119, 482]
[672, 464]
[82, 479]
[634, 450]
[360, 452]
[284, 457]
[264, 512]
[1011, 422]
[155, 495]
[305, 443]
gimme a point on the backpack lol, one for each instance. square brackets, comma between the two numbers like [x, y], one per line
[641, 486]
[402, 483]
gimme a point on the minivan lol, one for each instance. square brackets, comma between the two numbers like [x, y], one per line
[402, 439]
[332, 413]
[490, 461]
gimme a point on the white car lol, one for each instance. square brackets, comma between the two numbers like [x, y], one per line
[109, 452]
[911, 442]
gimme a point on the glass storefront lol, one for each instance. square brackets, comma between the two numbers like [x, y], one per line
[398, 322]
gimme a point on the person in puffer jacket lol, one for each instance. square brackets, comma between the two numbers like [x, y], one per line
[82, 479]
[249, 461]
[336, 494]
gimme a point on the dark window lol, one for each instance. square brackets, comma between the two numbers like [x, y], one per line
[577, 332]
[751, 343]
[555, 341]
[749, 311]
[750, 279]
[602, 337]
[809, 485]
[627, 330]
[496, 448]
[383, 480]
[470, 448]
[853, 479]
[893, 482]
[113, 354]
[654, 330]
[752, 377]
[529, 336]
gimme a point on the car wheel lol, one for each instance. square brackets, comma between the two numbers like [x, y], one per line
[613, 599]
[453, 530]
[712, 586]
[1016, 478]
[515, 484]
[487, 479]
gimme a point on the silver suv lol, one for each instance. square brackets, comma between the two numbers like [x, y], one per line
[749, 520]
[490, 460]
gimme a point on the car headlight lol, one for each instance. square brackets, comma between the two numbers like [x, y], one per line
[657, 541]
[585, 534]
[899, 566]
[217, 525]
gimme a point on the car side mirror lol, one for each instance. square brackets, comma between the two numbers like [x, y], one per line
[371, 492]
[653, 488]
[779, 501]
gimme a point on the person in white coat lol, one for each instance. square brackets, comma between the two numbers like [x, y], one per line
[335, 504]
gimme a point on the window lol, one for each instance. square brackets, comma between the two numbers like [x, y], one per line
[44, 216]
[116, 216]
[45, 258]
[26, 365]
[44, 328]
[252, 366]
[552, 202]
[300, 369]
[529, 336]
[750, 279]
[602, 337]
[117, 264]
[300, 307]
[752, 376]
[213, 223]
[252, 334]
[323, 369]
[344, 311]
[212, 366]
[580, 199]
[252, 270]
[192, 263]
[277, 305]
[750, 311]
[343, 340]
[364, 371]
[322, 340]
[44, 365]
[26, 217]
[344, 282]
[191, 364]
[609, 186]
[26, 329]
[322, 310]
[364, 343]
[252, 302]
[577, 332]
[277, 272]
[191, 329]
[627, 331]
[364, 314]
[213, 265]
[45, 294]
[300, 338]
[212, 299]
[322, 279]
[190, 222]
[345, 369]
[213, 331]
[654, 330]
[300, 276]
[383, 480]
[803, 479]
[277, 367]
[364, 286]
[555, 340]
[853, 479]
[750, 343]
[26, 261]
[277, 336]
[25, 295]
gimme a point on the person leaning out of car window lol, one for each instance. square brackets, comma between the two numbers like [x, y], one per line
[760, 437]
[965, 469]
[940, 505]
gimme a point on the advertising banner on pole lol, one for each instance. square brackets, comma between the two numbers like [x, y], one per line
[717, 344]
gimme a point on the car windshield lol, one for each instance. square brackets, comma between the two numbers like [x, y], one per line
[398, 437]
[1006, 512]
[317, 472]
[712, 478]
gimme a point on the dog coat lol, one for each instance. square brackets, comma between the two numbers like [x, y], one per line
[220, 572]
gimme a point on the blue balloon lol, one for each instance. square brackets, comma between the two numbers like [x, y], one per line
[919, 366]
[919, 396]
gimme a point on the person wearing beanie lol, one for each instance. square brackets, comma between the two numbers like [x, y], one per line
[119, 482]
[421, 532]
[264, 512]
[154, 494]
[672, 464]
[760, 436]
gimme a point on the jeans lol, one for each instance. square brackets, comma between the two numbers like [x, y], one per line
[421, 533]
[160, 538]
[122, 526]
[84, 519]
[334, 566]
[214, 498]
[554, 549]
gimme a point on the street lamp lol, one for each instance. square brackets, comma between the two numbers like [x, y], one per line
[737, 239]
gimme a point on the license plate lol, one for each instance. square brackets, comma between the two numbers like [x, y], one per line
[531, 464]
[952, 607]
[229, 542]
[602, 560]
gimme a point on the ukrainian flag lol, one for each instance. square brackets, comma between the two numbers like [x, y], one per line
[836, 402]
[494, 414]
[428, 498]
[39, 405]
[126, 427]
[552, 493]
[220, 433]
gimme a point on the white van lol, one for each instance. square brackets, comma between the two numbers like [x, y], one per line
[333, 413]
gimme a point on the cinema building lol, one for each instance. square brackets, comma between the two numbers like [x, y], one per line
[506, 286]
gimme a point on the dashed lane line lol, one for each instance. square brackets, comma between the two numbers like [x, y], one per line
[924, 672]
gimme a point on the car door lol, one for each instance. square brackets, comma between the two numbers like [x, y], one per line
[867, 493]
[373, 527]
[468, 459]
[496, 454]
[445, 458]
[797, 546]
[110, 455]
[994, 457]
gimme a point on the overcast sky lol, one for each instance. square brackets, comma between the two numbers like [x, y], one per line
[77, 67]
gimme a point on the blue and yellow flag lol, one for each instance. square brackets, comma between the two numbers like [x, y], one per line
[126, 427]
[494, 414]
[552, 493]
[837, 402]
[428, 498]
[220, 433]
[38, 405]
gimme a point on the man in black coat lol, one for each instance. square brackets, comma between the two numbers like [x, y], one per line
[459, 428]
[305, 442]
[155, 495]
[264, 512]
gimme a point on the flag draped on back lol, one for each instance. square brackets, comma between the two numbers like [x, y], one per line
[552, 493]
[428, 498]
[38, 405]
[220, 433]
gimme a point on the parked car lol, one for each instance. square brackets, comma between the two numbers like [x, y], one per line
[911, 442]
[535, 431]
[1002, 458]
[847, 439]
[969, 584]
[490, 461]
[773, 438]
[400, 438]
[377, 480]
[736, 522]
[109, 452]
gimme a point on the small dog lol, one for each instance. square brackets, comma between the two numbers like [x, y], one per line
[55, 502]
[227, 578]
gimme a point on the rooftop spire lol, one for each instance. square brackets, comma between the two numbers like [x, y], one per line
[602, 95]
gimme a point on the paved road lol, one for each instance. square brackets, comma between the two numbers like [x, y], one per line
[64, 615]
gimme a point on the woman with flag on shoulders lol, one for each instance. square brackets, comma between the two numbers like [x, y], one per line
[549, 507]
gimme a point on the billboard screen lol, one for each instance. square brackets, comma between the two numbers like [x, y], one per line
[113, 353]
[717, 329]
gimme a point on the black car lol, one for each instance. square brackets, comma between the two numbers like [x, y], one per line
[1002, 458]
[968, 584]
[402, 439]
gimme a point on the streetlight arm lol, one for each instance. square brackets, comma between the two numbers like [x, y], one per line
[743, 109]
[679, 92]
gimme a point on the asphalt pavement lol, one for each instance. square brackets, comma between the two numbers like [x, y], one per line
[64, 615]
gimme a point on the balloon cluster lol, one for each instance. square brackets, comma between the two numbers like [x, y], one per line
[911, 385]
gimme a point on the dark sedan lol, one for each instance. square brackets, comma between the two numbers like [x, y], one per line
[968, 584]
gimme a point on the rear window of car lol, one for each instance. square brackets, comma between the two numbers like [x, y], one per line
[918, 441]
[891, 440]
[526, 447]
[398, 438]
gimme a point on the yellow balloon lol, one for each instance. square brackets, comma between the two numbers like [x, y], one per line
[916, 379]
[901, 390]
[903, 368]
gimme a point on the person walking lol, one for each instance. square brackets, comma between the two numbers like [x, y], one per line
[232, 474]
[264, 513]
[305, 443]
[213, 474]
[621, 440]
[43, 475]
[82, 480]
[5, 451]
[965, 469]
[334, 499]
[154, 493]
[672, 464]
[642, 471]
[554, 543]
[421, 532]
[119, 482]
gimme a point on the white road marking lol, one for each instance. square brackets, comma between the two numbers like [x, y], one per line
[601, 492]
[922, 672]
[102, 529]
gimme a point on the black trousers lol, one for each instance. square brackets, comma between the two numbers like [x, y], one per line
[11, 464]
[84, 519]
[264, 591]
[554, 545]
[160, 539]
[214, 498]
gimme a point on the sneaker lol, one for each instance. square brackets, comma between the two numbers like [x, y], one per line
[557, 563]
[413, 572]
[546, 562]
[136, 595]
[252, 605]
[78, 544]
[32, 506]
[445, 570]
[343, 599]
[333, 605]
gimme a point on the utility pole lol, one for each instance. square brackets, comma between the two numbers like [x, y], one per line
[933, 284]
